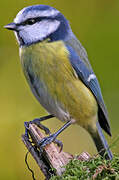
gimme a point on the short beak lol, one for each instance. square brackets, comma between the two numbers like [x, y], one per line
[11, 26]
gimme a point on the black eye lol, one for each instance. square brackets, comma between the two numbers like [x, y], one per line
[30, 21]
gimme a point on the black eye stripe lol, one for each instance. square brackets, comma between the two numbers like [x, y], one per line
[31, 21]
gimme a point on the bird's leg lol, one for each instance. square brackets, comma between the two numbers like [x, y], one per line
[38, 123]
[52, 138]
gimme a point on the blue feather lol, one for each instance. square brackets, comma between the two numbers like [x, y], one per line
[84, 73]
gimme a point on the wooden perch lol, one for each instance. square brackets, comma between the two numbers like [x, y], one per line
[50, 158]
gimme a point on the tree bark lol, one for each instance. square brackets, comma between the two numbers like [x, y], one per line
[51, 158]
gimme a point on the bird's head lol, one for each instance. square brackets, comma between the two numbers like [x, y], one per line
[37, 23]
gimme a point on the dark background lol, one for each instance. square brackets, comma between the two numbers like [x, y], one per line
[96, 25]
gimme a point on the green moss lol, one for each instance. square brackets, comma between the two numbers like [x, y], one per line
[96, 168]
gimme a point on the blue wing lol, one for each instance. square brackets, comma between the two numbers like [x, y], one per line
[82, 67]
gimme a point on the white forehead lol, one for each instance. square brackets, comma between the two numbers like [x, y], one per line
[24, 15]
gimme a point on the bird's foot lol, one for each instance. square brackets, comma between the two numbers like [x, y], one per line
[41, 126]
[47, 140]
[36, 122]
[26, 124]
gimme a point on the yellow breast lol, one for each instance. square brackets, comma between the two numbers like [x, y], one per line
[49, 62]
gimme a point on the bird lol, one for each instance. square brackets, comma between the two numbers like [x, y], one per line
[59, 74]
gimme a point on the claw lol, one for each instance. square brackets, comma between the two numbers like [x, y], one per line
[26, 124]
[59, 144]
[48, 140]
[37, 122]
[41, 126]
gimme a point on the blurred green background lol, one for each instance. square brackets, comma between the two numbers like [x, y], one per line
[96, 24]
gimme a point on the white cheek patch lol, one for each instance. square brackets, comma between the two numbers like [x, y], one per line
[91, 76]
[38, 31]
[46, 27]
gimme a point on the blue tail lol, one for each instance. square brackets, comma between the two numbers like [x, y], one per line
[101, 143]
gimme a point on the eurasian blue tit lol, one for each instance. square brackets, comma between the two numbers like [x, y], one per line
[59, 74]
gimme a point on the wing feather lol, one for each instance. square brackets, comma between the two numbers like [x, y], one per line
[79, 61]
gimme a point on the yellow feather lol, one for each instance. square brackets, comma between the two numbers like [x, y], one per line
[50, 63]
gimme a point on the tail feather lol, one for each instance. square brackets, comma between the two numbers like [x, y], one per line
[103, 121]
[101, 143]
